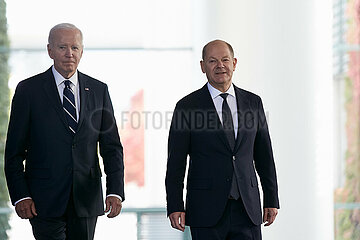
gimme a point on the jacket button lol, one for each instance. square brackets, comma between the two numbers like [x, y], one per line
[228, 179]
[73, 146]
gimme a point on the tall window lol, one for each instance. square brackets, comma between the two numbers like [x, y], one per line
[347, 79]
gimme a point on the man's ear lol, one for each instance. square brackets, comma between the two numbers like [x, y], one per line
[202, 66]
[234, 63]
[49, 51]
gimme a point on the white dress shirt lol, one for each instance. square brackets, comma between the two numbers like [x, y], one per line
[231, 100]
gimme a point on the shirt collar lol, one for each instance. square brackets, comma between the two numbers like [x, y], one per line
[59, 79]
[215, 92]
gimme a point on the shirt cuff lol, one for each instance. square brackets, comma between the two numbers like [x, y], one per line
[21, 200]
[115, 195]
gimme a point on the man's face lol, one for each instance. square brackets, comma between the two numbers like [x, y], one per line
[218, 65]
[66, 50]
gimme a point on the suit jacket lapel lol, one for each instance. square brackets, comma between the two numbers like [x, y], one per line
[242, 106]
[84, 96]
[207, 104]
[52, 93]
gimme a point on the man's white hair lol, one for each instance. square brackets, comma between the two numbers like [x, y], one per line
[63, 26]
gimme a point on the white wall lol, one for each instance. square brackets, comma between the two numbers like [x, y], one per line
[284, 55]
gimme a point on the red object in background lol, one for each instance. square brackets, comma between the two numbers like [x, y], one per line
[132, 138]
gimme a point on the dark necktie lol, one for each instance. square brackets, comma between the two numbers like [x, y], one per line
[227, 119]
[228, 126]
[69, 106]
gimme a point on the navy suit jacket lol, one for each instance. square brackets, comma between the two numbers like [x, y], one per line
[56, 161]
[196, 131]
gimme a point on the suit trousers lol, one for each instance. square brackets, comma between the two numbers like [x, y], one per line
[235, 224]
[67, 227]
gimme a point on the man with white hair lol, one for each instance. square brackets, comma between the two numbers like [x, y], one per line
[58, 119]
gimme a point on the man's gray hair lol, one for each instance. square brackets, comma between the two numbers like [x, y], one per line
[63, 26]
[227, 44]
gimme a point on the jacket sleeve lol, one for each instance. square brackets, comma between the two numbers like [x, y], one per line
[111, 149]
[17, 145]
[264, 161]
[178, 149]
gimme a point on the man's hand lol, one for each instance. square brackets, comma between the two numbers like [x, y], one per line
[269, 215]
[177, 220]
[114, 205]
[26, 209]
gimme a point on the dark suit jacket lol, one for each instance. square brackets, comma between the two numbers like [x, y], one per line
[56, 162]
[196, 131]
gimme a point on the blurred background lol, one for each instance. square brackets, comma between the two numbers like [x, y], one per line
[301, 57]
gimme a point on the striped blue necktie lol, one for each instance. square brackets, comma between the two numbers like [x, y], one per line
[69, 106]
